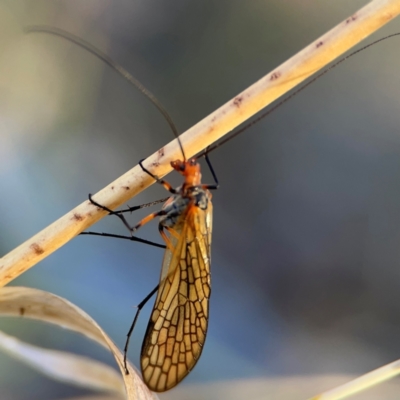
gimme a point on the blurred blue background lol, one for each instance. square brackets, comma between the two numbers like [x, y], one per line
[305, 271]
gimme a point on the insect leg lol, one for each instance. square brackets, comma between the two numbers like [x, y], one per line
[147, 298]
[134, 208]
[160, 181]
[129, 334]
[165, 237]
[111, 212]
[131, 229]
[216, 184]
[131, 238]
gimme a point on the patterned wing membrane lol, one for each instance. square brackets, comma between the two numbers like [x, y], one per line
[178, 324]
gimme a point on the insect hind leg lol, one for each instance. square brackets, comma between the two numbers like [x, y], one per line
[129, 334]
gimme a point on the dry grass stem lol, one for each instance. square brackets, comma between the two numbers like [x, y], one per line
[361, 383]
[278, 82]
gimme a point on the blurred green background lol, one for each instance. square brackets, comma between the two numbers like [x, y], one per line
[306, 250]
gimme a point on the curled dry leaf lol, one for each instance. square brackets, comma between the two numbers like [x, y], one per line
[47, 307]
[67, 367]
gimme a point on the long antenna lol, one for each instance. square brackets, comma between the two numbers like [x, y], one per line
[118, 68]
[133, 81]
[296, 92]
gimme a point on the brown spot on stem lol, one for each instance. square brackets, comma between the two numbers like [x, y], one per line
[36, 248]
[319, 44]
[21, 311]
[351, 19]
[238, 101]
[112, 187]
[78, 217]
[275, 76]
[126, 188]
[161, 152]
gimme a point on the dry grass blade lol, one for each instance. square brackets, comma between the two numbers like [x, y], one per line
[361, 383]
[65, 367]
[47, 307]
[275, 84]
[93, 398]
[99, 397]
[294, 387]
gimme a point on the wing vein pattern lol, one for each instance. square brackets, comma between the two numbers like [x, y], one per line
[178, 325]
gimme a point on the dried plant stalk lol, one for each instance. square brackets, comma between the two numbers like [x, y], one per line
[361, 383]
[305, 63]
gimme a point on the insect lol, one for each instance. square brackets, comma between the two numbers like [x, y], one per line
[177, 328]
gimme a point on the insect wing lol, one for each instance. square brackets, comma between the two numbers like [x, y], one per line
[178, 324]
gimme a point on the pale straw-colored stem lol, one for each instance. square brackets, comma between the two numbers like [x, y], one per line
[305, 63]
[362, 383]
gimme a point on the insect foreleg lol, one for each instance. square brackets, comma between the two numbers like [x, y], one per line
[160, 181]
[216, 184]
